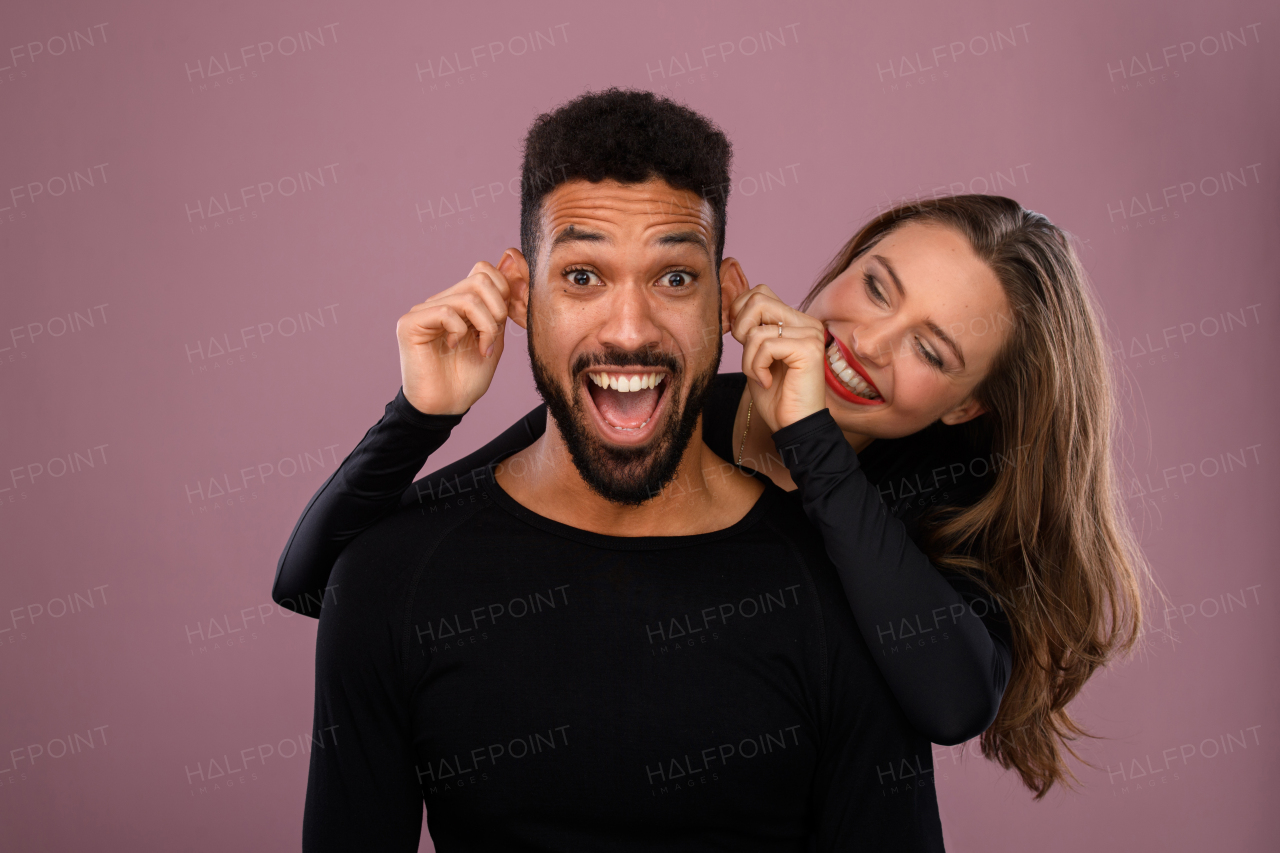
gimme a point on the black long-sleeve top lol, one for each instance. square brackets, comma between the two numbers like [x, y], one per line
[942, 645]
[542, 687]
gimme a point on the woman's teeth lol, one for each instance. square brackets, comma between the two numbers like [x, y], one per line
[848, 375]
[627, 381]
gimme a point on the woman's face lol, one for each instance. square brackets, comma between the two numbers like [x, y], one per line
[913, 326]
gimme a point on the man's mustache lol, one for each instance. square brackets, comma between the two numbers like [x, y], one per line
[626, 358]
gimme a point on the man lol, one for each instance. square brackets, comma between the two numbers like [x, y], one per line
[619, 641]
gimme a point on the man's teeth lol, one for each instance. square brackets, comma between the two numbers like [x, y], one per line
[627, 381]
[848, 375]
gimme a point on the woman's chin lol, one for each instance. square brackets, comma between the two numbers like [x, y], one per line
[870, 423]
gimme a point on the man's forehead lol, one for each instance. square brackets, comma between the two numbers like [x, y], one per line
[648, 209]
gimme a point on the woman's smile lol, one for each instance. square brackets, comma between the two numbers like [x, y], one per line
[848, 379]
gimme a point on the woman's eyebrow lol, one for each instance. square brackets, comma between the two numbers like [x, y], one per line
[933, 327]
[897, 282]
[946, 339]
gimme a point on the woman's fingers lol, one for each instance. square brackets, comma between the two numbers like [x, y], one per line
[493, 287]
[476, 303]
[499, 281]
[451, 320]
[479, 300]
[494, 296]
[472, 308]
[749, 307]
[760, 306]
[797, 347]
[759, 290]
[432, 323]
[481, 292]
[738, 310]
[786, 374]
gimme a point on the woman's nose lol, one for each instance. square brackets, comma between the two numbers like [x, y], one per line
[873, 344]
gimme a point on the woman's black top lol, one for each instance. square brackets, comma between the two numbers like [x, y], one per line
[941, 643]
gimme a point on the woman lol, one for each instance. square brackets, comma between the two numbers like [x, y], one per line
[951, 366]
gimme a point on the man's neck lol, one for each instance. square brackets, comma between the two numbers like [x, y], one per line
[707, 493]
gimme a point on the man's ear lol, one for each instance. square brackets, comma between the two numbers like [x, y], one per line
[515, 269]
[965, 412]
[733, 283]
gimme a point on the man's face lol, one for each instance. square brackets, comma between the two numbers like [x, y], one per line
[624, 328]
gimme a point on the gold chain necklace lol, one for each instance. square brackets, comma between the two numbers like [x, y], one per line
[745, 430]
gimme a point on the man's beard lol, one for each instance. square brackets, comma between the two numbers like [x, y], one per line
[625, 475]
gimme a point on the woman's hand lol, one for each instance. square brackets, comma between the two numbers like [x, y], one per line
[784, 371]
[450, 344]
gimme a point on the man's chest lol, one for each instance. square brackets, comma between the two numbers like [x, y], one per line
[644, 689]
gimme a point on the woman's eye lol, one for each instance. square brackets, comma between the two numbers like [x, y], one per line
[582, 278]
[874, 289]
[928, 354]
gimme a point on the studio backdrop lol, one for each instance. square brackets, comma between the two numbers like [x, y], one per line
[213, 214]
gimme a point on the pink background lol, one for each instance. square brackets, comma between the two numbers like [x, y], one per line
[1147, 129]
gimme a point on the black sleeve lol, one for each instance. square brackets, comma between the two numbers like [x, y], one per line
[375, 479]
[873, 787]
[362, 784]
[946, 664]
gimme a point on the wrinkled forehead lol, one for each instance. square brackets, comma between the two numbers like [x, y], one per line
[625, 213]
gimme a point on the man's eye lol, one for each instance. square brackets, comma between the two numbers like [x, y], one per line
[676, 279]
[582, 278]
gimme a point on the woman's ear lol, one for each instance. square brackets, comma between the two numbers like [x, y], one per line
[965, 412]
[733, 283]
[515, 269]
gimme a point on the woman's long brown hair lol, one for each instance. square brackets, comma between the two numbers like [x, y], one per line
[1050, 540]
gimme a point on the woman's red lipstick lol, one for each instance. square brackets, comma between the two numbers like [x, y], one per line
[838, 387]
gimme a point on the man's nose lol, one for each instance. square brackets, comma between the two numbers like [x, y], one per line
[629, 323]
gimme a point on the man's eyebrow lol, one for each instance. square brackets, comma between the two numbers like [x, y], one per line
[573, 234]
[677, 237]
[946, 339]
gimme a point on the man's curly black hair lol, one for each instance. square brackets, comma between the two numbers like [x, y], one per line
[629, 136]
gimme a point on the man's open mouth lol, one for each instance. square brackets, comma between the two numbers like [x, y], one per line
[627, 402]
[846, 377]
